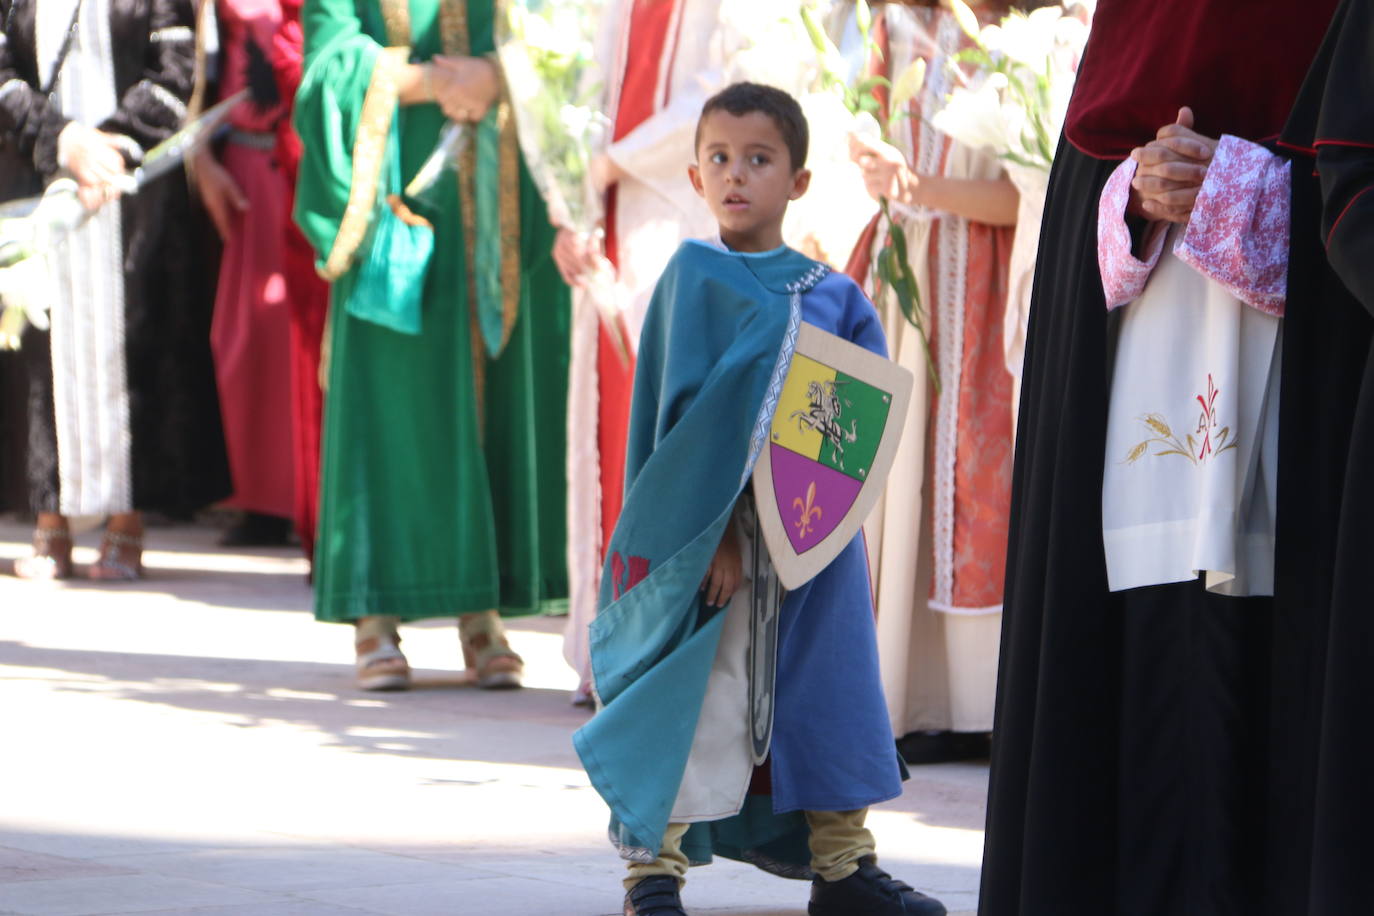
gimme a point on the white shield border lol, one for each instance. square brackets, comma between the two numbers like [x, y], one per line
[795, 570]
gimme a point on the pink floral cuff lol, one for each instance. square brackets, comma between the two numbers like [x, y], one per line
[1238, 232]
[1123, 274]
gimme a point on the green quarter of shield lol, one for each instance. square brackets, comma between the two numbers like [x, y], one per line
[864, 411]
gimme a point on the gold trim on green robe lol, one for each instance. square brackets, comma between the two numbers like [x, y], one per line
[443, 485]
[369, 148]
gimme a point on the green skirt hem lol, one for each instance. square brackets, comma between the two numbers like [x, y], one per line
[424, 606]
[553, 607]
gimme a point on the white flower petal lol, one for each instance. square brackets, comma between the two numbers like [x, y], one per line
[908, 84]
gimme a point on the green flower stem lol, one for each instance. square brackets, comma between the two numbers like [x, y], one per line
[893, 269]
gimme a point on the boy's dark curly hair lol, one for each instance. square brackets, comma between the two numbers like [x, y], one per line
[743, 98]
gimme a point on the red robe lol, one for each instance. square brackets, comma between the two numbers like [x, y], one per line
[308, 294]
[249, 335]
[650, 21]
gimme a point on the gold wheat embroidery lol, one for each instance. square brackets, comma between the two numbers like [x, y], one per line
[1204, 443]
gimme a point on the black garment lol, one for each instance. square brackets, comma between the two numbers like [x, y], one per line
[143, 68]
[176, 446]
[1155, 748]
[1333, 122]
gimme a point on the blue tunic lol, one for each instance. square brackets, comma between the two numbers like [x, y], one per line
[833, 748]
[717, 339]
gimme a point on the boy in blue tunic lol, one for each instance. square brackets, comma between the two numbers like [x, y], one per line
[670, 750]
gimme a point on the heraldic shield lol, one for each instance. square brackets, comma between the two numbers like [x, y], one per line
[831, 445]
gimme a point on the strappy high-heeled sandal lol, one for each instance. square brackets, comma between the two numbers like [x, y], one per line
[52, 556]
[380, 664]
[113, 564]
[487, 654]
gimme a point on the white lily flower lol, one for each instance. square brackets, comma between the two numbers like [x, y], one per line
[24, 298]
[1071, 33]
[11, 327]
[574, 118]
[25, 282]
[1060, 92]
[966, 17]
[545, 35]
[991, 37]
[1029, 40]
[908, 84]
[566, 23]
[975, 117]
[550, 68]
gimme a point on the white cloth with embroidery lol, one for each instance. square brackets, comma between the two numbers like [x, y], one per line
[1192, 430]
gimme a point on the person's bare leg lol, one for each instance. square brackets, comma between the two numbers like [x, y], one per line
[121, 549]
[52, 550]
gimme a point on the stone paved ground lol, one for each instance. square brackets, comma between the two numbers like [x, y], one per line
[193, 744]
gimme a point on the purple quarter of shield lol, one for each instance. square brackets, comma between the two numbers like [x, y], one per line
[812, 498]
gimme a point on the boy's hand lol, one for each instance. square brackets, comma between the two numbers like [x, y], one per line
[1170, 171]
[726, 571]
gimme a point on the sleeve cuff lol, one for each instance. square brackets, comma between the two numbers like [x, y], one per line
[1123, 274]
[1238, 234]
[368, 154]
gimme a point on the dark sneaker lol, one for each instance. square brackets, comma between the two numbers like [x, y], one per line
[656, 896]
[870, 891]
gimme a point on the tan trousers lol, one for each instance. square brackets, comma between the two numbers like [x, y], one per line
[839, 840]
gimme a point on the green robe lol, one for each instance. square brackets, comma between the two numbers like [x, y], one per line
[443, 485]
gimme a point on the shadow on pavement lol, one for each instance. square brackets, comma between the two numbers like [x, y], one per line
[444, 718]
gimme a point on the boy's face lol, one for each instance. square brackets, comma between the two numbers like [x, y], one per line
[745, 174]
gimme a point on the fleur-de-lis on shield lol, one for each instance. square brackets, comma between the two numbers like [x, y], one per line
[809, 510]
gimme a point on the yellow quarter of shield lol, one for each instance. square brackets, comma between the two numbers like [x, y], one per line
[790, 430]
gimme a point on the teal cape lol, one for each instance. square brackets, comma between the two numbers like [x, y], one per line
[717, 340]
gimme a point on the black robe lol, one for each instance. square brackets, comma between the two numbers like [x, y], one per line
[176, 451]
[1155, 749]
[1333, 123]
